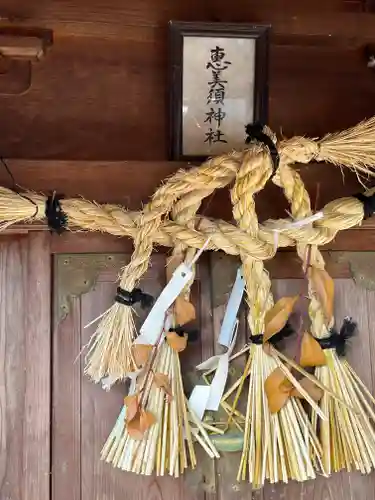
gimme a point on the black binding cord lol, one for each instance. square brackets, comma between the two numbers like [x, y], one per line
[130, 298]
[254, 131]
[181, 331]
[285, 332]
[56, 217]
[338, 340]
[368, 204]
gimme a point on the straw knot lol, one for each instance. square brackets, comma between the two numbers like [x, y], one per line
[301, 150]
[285, 332]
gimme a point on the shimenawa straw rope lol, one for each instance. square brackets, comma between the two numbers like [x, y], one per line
[110, 352]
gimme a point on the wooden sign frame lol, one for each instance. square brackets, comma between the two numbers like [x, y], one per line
[178, 31]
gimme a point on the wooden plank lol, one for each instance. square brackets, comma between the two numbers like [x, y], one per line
[203, 481]
[66, 399]
[114, 104]
[13, 289]
[36, 423]
[108, 19]
[25, 368]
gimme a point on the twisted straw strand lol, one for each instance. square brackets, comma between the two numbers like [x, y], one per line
[339, 215]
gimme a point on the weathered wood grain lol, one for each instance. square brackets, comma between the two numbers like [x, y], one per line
[25, 297]
[106, 19]
[13, 285]
[95, 411]
[89, 413]
[113, 105]
[66, 398]
[36, 422]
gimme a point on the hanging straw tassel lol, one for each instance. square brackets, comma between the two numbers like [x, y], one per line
[347, 437]
[170, 442]
[167, 447]
[276, 446]
[109, 352]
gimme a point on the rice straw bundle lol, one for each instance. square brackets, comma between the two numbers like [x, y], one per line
[348, 436]
[164, 449]
[276, 446]
[109, 353]
[167, 446]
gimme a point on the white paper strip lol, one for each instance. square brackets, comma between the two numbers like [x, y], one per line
[154, 322]
[208, 397]
[279, 227]
[199, 398]
[230, 317]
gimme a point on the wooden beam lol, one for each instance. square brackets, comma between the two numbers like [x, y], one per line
[115, 19]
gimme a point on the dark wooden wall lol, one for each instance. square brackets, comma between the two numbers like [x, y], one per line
[101, 91]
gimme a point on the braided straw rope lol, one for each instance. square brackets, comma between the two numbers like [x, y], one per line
[356, 446]
[275, 446]
[164, 449]
[339, 215]
[109, 351]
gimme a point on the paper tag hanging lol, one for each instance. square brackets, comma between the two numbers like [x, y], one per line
[230, 317]
[154, 322]
[208, 397]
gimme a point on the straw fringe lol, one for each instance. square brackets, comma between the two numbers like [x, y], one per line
[348, 438]
[276, 447]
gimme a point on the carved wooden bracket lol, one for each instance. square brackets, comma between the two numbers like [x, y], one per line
[19, 49]
[361, 266]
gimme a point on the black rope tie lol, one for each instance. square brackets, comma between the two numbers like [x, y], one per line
[368, 204]
[254, 131]
[130, 298]
[56, 217]
[338, 340]
[285, 332]
[181, 331]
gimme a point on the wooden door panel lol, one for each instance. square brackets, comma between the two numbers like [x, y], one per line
[25, 368]
[84, 414]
